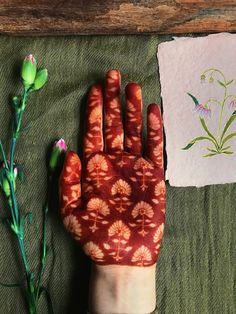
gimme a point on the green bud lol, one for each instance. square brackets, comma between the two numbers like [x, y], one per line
[28, 70]
[211, 80]
[203, 77]
[6, 185]
[59, 147]
[41, 79]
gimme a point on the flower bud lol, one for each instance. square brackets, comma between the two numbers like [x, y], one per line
[41, 79]
[211, 80]
[6, 185]
[59, 147]
[28, 70]
[203, 77]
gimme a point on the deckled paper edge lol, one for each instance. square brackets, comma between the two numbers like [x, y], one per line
[159, 48]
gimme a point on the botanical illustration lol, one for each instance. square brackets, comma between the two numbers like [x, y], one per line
[219, 143]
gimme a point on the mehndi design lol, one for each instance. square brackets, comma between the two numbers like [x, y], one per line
[118, 213]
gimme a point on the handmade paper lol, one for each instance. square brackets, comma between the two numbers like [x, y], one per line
[198, 90]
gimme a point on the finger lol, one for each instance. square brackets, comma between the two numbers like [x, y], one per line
[155, 135]
[93, 141]
[113, 128]
[133, 127]
[70, 186]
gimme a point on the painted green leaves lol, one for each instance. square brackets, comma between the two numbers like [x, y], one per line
[218, 142]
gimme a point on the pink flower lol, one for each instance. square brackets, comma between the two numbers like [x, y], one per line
[203, 112]
[58, 149]
[31, 58]
[61, 144]
[232, 104]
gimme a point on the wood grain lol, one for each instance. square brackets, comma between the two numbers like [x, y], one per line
[116, 17]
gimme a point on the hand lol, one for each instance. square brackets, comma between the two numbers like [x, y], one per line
[118, 214]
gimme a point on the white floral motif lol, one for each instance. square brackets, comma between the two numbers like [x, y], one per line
[121, 234]
[160, 190]
[142, 256]
[94, 251]
[143, 171]
[121, 189]
[117, 142]
[158, 154]
[95, 115]
[154, 121]
[145, 212]
[96, 210]
[97, 167]
[73, 226]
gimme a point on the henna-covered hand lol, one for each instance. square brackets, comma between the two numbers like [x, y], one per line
[118, 212]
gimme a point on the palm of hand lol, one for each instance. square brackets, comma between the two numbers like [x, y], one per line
[120, 217]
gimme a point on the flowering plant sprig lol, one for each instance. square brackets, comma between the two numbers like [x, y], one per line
[33, 80]
[204, 112]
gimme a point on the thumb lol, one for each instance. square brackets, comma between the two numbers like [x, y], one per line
[70, 186]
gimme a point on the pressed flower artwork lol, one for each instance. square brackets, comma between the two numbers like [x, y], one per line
[198, 90]
[219, 142]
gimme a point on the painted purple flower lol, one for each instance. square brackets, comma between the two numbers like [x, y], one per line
[203, 111]
[232, 104]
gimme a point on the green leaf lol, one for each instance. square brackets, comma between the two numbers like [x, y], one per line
[227, 125]
[229, 82]
[200, 138]
[221, 83]
[188, 146]
[225, 148]
[209, 155]
[212, 150]
[196, 102]
[10, 285]
[48, 298]
[228, 153]
[203, 123]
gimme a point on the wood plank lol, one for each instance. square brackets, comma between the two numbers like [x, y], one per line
[57, 17]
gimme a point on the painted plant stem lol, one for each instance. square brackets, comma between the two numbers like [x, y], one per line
[204, 111]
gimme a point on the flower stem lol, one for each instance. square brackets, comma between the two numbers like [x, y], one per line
[18, 221]
[3, 155]
[221, 113]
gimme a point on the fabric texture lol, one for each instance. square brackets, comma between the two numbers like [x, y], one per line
[196, 266]
[117, 214]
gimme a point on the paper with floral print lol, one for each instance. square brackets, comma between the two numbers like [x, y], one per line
[198, 89]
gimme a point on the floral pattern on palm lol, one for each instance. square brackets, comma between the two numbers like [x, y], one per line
[219, 141]
[118, 214]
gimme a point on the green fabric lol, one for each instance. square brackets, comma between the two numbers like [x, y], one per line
[196, 269]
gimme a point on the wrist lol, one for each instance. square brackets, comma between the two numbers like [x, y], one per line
[122, 289]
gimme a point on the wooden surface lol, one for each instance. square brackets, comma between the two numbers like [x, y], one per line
[116, 17]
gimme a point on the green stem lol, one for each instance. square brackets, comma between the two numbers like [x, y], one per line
[3, 155]
[221, 113]
[20, 238]
[17, 220]
[44, 252]
[215, 70]
[213, 100]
